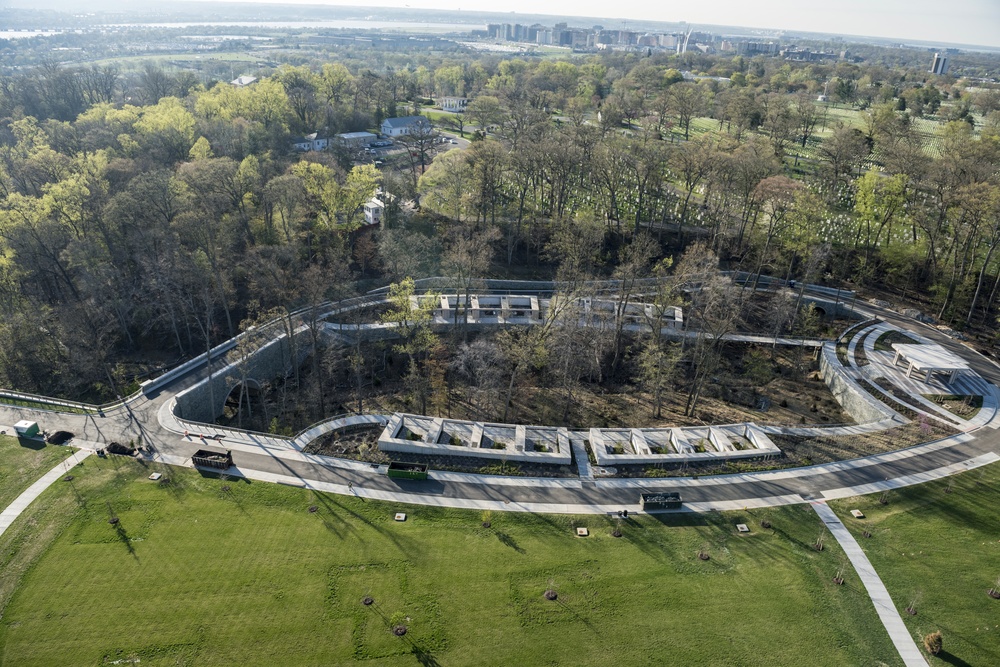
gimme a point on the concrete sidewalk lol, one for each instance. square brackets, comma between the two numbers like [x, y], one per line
[14, 510]
[884, 606]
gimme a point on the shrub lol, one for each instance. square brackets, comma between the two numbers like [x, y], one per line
[934, 643]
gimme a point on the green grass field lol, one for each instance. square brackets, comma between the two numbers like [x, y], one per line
[194, 574]
[942, 550]
[21, 465]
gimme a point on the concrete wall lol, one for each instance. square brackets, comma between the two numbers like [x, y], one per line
[204, 402]
[392, 440]
[715, 435]
[858, 403]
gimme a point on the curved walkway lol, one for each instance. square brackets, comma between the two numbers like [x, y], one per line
[150, 422]
[280, 460]
[19, 504]
[884, 606]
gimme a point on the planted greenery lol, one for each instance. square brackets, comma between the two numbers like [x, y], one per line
[249, 576]
[938, 554]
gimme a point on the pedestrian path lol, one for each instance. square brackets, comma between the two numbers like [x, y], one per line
[300, 441]
[14, 510]
[884, 606]
[830, 431]
[582, 460]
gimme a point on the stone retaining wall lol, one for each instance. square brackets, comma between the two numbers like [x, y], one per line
[858, 403]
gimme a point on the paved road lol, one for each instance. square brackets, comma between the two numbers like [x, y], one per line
[141, 420]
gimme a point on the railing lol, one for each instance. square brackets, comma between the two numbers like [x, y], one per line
[302, 317]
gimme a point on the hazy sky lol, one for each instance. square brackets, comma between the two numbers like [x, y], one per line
[953, 21]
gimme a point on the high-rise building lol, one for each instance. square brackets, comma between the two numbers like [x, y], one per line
[940, 64]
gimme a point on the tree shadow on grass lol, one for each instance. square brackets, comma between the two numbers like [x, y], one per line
[333, 509]
[425, 658]
[124, 539]
[509, 541]
[175, 486]
[590, 626]
[229, 495]
[952, 659]
[81, 501]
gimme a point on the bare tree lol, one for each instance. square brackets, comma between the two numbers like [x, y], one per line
[716, 307]
[467, 259]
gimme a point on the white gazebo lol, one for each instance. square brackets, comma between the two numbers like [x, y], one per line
[929, 359]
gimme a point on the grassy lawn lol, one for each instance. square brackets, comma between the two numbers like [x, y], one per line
[940, 549]
[21, 465]
[195, 574]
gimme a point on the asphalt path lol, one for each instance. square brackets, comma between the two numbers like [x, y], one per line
[139, 421]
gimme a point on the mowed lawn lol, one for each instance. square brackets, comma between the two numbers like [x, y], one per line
[22, 464]
[210, 571]
[941, 550]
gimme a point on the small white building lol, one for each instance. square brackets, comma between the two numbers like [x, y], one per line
[310, 142]
[355, 139]
[397, 127]
[456, 104]
[243, 81]
[374, 211]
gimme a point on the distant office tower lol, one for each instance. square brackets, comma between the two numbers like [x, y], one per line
[940, 64]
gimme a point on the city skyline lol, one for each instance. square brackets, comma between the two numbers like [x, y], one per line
[973, 22]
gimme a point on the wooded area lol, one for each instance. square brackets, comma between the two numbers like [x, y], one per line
[146, 215]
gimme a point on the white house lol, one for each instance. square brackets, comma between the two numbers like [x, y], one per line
[397, 127]
[243, 81]
[310, 142]
[374, 210]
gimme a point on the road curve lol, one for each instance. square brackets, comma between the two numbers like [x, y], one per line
[256, 456]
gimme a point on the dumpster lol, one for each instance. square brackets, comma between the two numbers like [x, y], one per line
[207, 458]
[401, 470]
[26, 429]
[660, 501]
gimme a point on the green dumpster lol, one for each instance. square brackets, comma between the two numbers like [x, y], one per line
[401, 470]
[660, 501]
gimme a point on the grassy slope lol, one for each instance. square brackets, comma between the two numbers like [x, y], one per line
[21, 465]
[943, 550]
[249, 576]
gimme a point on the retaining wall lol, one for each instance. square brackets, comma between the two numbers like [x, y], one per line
[858, 403]
[206, 400]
